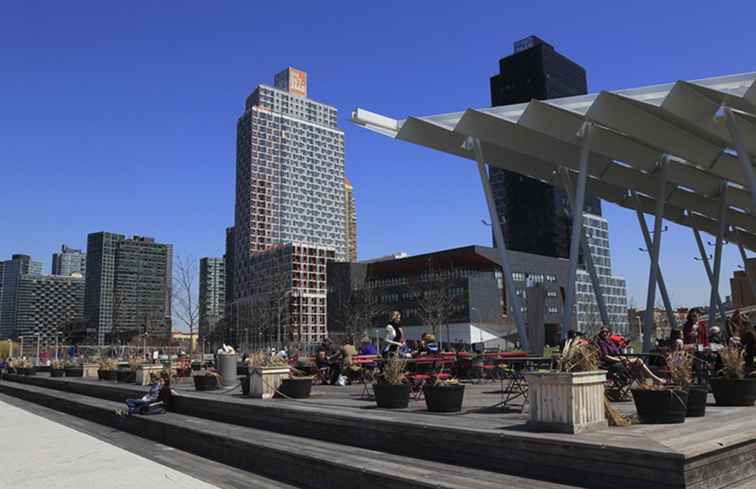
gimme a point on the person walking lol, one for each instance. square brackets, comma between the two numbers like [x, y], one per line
[394, 335]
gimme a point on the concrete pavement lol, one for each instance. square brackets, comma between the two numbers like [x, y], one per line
[37, 453]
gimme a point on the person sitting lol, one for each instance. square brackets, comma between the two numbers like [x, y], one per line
[428, 345]
[690, 327]
[347, 364]
[611, 357]
[368, 348]
[155, 394]
[328, 359]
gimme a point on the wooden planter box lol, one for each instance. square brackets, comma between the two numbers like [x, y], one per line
[143, 373]
[263, 382]
[566, 402]
[89, 370]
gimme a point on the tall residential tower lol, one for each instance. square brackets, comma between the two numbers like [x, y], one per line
[128, 286]
[69, 261]
[212, 293]
[290, 216]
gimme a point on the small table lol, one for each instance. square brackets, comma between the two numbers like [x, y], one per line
[516, 385]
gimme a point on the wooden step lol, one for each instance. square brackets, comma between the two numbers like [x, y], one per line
[303, 462]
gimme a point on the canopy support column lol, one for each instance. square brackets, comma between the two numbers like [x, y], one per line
[595, 283]
[648, 320]
[744, 257]
[514, 300]
[718, 254]
[577, 225]
[704, 258]
[660, 277]
[745, 160]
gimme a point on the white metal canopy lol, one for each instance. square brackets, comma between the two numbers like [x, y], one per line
[683, 122]
[681, 151]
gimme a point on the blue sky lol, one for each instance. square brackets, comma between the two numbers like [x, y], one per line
[121, 117]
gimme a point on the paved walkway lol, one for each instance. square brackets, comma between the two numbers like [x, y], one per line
[40, 454]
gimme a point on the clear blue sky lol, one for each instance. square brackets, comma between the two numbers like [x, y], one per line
[121, 117]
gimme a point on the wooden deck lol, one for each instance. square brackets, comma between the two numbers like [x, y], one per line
[703, 453]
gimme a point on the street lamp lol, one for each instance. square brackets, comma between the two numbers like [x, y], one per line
[20, 347]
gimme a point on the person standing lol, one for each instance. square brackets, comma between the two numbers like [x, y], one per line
[394, 335]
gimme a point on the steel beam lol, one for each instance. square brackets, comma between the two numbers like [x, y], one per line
[718, 254]
[660, 276]
[745, 160]
[584, 246]
[506, 268]
[654, 252]
[704, 258]
[577, 225]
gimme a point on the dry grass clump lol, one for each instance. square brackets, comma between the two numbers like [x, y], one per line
[733, 362]
[680, 364]
[580, 357]
[394, 370]
[260, 359]
[21, 363]
[108, 364]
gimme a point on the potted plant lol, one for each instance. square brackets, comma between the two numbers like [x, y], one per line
[73, 370]
[391, 388]
[128, 374]
[571, 398]
[23, 366]
[266, 373]
[56, 368]
[297, 386]
[444, 396]
[680, 365]
[731, 387]
[108, 369]
[206, 379]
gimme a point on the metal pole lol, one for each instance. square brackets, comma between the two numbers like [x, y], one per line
[38, 340]
[745, 160]
[577, 225]
[56, 345]
[718, 253]
[660, 282]
[648, 320]
[584, 245]
[514, 300]
[704, 257]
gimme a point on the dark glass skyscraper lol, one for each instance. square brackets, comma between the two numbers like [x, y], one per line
[536, 215]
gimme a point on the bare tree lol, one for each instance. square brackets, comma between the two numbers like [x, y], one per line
[436, 302]
[186, 304]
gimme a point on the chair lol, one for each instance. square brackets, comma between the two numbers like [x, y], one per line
[619, 380]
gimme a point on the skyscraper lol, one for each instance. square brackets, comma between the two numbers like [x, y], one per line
[613, 287]
[69, 261]
[11, 272]
[289, 170]
[128, 286]
[350, 209]
[45, 304]
[536, 215]
[290, 199]
[212, 293]
[230, 265]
